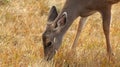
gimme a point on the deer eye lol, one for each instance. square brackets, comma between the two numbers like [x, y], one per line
[49, 44]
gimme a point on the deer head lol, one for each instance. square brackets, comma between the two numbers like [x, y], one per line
[52, 36]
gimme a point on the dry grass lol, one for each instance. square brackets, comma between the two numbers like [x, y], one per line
[22, 23]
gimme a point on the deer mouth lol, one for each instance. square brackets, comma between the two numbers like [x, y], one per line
[49, 58]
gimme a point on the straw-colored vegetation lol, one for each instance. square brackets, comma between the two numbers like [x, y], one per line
[22, 23]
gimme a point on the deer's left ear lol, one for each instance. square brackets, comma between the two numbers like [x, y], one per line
[62, 21]
[52, 14]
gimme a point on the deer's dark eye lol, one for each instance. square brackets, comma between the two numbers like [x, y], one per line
[49, 44]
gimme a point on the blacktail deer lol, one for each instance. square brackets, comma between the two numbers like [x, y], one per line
[58, 24]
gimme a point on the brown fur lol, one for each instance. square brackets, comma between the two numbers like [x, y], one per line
[58, 24]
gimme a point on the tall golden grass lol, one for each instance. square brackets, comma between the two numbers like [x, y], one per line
[22, 23]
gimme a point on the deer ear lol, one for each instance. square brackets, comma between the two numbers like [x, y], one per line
[62, 21]
[52, 14]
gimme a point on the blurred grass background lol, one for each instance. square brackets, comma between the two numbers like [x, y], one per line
[22, 23]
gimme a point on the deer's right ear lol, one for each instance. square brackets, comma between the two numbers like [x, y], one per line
[52, 14]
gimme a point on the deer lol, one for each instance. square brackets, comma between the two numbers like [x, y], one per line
[59, 23]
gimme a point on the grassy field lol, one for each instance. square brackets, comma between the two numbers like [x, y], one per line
[22, 23]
